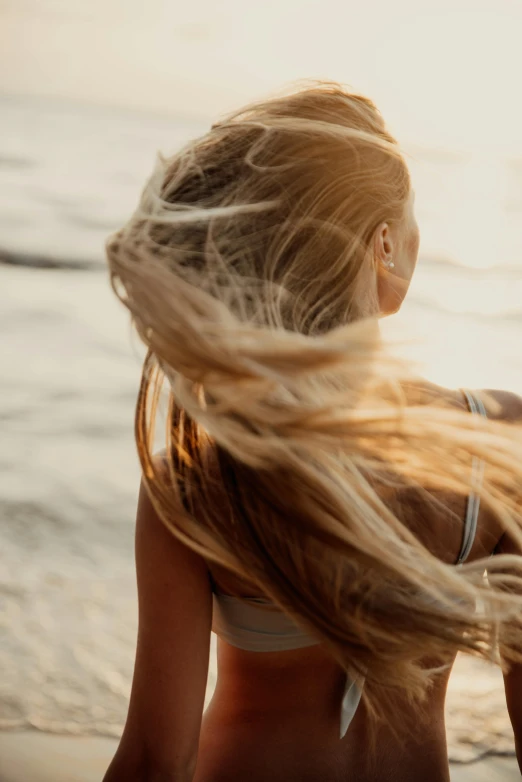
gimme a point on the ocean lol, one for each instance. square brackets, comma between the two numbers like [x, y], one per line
[70, 173]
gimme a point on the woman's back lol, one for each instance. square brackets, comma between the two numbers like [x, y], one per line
[275, 715]
[269, 706]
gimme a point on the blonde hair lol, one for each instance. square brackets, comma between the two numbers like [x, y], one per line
[249, 272]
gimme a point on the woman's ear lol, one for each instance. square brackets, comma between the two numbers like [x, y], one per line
[383, 246]
[391, 288]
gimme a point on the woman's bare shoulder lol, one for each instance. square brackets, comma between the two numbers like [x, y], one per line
[503, 405]
[437, 518]
[500, 405]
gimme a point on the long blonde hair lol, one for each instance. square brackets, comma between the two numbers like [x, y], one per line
[249, 273]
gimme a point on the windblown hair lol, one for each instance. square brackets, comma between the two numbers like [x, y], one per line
[249, 272]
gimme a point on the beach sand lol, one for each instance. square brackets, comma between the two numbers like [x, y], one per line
[40, 757]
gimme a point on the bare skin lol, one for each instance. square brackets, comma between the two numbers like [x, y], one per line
[273, 715]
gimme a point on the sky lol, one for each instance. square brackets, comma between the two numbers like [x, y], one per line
[443, 73]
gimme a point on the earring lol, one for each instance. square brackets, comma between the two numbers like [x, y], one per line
[389, 265]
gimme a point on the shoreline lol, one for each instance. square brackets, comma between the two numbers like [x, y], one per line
[34, 756]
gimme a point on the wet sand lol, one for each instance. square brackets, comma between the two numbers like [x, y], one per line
[40, 757]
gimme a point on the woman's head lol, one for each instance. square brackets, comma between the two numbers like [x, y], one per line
[304, 200]
[254, 268]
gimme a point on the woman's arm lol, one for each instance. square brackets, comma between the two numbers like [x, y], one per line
[510, 409]
[513, 678]
[161, 736]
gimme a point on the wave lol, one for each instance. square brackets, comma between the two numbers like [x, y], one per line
[431, 304]
[31, 260]
[448, 263]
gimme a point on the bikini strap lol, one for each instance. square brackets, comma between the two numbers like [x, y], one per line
[476, 407]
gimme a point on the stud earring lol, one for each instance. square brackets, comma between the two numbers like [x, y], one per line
[389, 265]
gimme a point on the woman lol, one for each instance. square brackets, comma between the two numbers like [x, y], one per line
[312, 500]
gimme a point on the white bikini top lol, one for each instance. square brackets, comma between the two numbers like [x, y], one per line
[246, 623]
